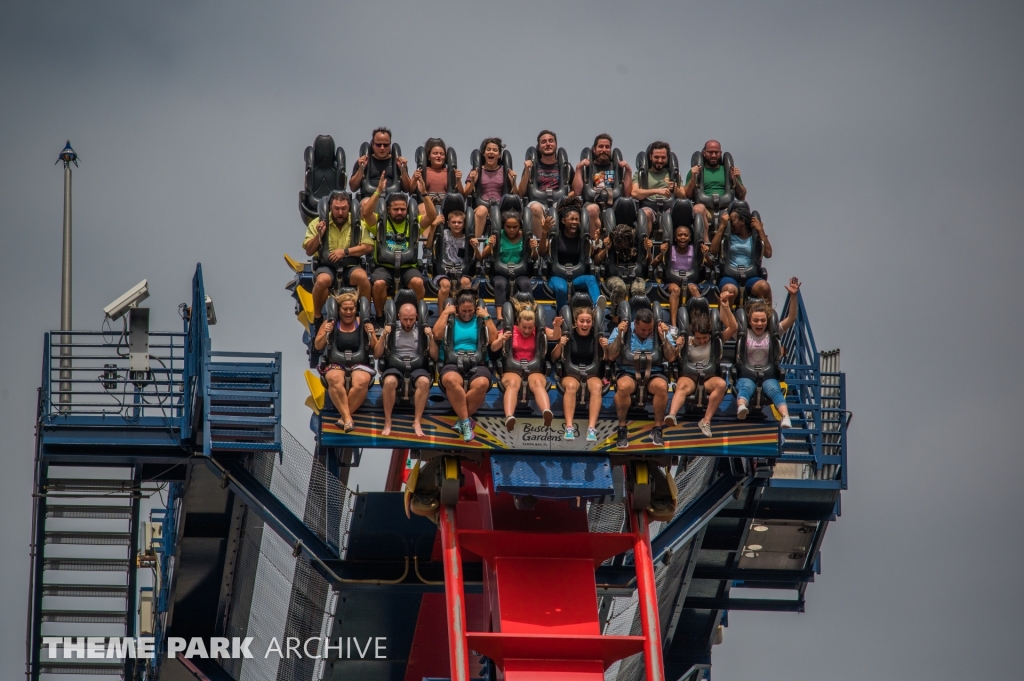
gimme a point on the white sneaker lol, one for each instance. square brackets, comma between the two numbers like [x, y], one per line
[786, 423]
[742, 411]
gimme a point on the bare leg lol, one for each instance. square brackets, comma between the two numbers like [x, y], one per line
[419, 400]
[538, 386]
[761, 289]
[339, 397]
[360, 384]
[684, 386]
[650, 218]
[452, 382]
[389, 391]
[594, 215]
[595, 387]
[416, 284]
[571, 386]
[659, 394]
[321, 287]
[537, 211]
[623, 392]
[716, 388]
[444, 289]
[361, 280]
[479, 220]
[512, 383]
[477, 393]
[674, 293]
[380, 294]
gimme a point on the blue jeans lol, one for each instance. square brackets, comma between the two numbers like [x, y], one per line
[770, 387]
[561, 288]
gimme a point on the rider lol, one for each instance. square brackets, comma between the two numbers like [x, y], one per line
[524, 338]
[453, 256]
[407, 344]
[339, 254]
[683, 267]
[378, 163]
[603, 178]
[569, 250]
[435, 174]
[471, 327]
[548, 174]
[399, 235]
[757, 353]
[625, 263]
[641, 339]
[661, 186]
[743, 229]
[713, 177]
[514, 252]
[581, 352]
[488, 182]
[346, 338]
[696, 349]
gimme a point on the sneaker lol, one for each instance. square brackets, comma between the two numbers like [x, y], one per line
[591, 434]
[468, 431]
[742, 411]
[459, 425]
[704, 428]
[622, 439]
[656, 438]
[570, 433]
[510, 423]
[786, 423]
[670, 420]
[548, 417]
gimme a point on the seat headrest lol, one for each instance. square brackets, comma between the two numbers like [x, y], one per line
[638, 302]
[406, 296]
[581, 299]
[453, 201]
[625, 211]
[682, 214]
[511, 202]
[323, 151]
[524, 297]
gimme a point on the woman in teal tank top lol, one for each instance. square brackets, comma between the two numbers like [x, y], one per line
[510, 254]
[465, 380]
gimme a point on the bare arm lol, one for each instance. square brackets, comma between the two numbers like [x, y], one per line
[500, 340]
[356, 180]
[381, 342]
[442, 321]
[691, 184]
[524, 182]
[766, 249]
[726, 315]
[320, 342]
[403, 169]
[577, 180]
[738, 188]
[555, 332]
[432, 348]
[556, 353]
[313, 244]
[627, 180]
[716, 243]
[794, 302]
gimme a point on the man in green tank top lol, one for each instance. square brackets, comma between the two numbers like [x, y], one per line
[714, 177]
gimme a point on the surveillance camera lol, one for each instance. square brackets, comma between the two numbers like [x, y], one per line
[211, 314]
[127, 300]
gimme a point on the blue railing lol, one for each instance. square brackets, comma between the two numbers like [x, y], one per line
[816, 401]
[197, 342]
[87, 374]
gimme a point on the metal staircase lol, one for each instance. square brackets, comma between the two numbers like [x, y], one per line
[242, 405]
[84, 562]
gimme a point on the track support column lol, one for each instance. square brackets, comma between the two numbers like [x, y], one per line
[647, 597]
[454, 594]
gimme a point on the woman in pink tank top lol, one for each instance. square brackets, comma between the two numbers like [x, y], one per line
[522, 342]
[488, 182]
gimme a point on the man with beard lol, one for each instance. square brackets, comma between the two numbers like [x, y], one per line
[378, 162]
[603, 178]
[659, 186]
[714, 178]
[338, 246]
[399, 235]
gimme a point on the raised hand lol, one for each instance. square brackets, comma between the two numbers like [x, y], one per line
[584, 162]
[382, 183]
[556, 322]
[793, 286]
[724, 298]
[548, 223]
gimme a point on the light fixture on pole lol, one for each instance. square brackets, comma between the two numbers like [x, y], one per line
[68, 156]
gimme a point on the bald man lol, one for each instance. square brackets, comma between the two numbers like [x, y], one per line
[714, 178]
[407, 344]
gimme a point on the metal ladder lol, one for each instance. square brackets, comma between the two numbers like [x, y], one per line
[83, 559]
[242, 402]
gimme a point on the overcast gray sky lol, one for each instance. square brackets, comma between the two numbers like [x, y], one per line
[880, 141]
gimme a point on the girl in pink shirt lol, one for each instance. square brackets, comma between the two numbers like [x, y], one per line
[521, 341]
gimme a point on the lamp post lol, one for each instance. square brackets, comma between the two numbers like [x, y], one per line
[68, 156]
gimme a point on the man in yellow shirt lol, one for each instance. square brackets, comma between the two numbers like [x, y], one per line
[336, 251]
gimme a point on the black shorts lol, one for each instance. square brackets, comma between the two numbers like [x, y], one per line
[654, 374]
[386, 275]
[416, 373]
[346, 273]
[478, 372]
